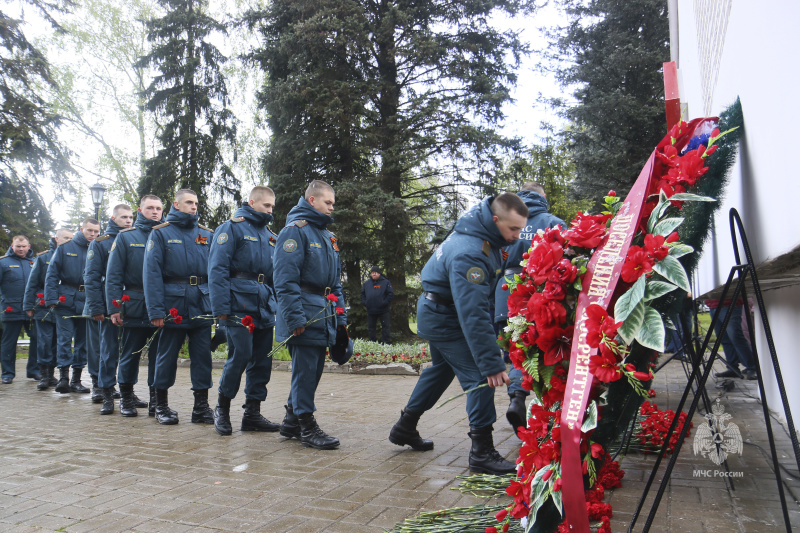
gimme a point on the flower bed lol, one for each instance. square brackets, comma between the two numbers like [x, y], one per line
[367, 353]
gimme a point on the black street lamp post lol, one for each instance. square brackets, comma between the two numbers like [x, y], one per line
[97, 198]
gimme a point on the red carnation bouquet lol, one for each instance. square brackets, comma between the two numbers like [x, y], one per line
[618, 340]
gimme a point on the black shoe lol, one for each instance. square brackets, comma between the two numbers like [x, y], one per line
[751, 375]
[728, 374]
[44, 382]
[405, 432]
[164, 415]
[137, 402]
[63, 383]
[483, 458]
[51, 373]
[35, 375]
[312, 436]
[201, 412]
[127, 405]
[75, 385]
[97, 392]
[517, 411]
[252, 419]
[7, 381]
[222, 415]
[290, 427]
[151, 407]
[108, 402]
[115, 393]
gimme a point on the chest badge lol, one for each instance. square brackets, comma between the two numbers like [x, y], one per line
[334, 243]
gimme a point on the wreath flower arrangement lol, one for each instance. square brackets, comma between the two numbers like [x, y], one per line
[545, 305]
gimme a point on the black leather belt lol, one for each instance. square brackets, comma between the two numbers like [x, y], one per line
[313, 289]
[191, 280]
[512, 271]
[135, 288]
[435, 298]
[79, 288]
[261, 278]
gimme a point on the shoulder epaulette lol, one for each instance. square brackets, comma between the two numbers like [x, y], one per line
[487, 248]
[127, 229]
[164, 225]
[300, 223]
[272, 232]
[102, 238]
[237, 219]
[42, 253]
[3, 257]
[205, 228]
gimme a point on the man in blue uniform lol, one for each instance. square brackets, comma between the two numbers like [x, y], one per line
[94, 278]
[242, 298]
[36, 309]
[125, 300]
[376, 295]
[307, 273]
[538, 218]
[176, 277]
[64, 290]
[15, 269]
[453, 315]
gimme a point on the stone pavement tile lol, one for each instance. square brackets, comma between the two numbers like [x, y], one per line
[236, 522]
[160, 526]
[364, 514]
[18, 506]
[51, 522]
[31, 513]
[281, 524]
[344, 527]
[392, 515]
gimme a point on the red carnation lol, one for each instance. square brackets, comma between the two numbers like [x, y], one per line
[178, 319]
[173, 313]
[9, 309]
[642, 376]
[247, 320]
[41, 302]
[251, 328]
[332, 297]
[40, 295]
[116, 303]
[62, 298]
[339, 311]
[126, 298]
[491, 529]
[501, 515]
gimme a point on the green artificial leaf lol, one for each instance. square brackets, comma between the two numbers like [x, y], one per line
[689, 197]
[590, 422]
[679, 250]
[629, 300]
[557, 501]
[667, 226]
[531, 365]
[713, 140]
[669, 324]
[632, 324]
[658, 212]
[651, 334]
[656, 289]
[540, 492]
[672, 270]
[546, 373]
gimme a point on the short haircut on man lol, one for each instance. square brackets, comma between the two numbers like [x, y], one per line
[316, 188]
[90, 220]
[60, 232]
[507, 202]
[121, 207]
[184, 192]
[149, 197]
[259, 192]
[16, 238]
[533, 186]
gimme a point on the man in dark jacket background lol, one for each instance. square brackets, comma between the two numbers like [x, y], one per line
[376, 295]
[15, 268]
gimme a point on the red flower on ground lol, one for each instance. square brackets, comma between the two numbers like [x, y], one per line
[604, 368]
[62, 298]
[173, 312]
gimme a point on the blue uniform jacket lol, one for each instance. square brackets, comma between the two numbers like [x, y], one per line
[66, 267]
[306, 262]
[538, 218]
[177, 249]
[35, 285]
[95, 272]
[124, 273]
[464, 270]
[14, 274]
[243, 244]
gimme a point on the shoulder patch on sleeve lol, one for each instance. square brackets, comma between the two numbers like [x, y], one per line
[237, 219]
[289, 246]
[476, 275]
[222, 238]
[300, 223]
[205, 228]
[164, 225]
[127, 229]
[487, 249]
[103, 237]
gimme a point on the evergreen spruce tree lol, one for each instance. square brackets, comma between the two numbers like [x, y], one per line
[22, 212]
[190, 100]
[611, 55]
[383, 99]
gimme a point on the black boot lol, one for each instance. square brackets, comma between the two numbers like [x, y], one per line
[290, 427]
[252, 419]
[127, 405]
[312, 436]
[75, 385]
[63, 382]
[164, 415]
[44, 383]
[483, 458]
[115, 393]
[137, 402]
[201, 412]
[517, 411]
[405, 432]
[97, 392]
[151, 408]
[52, 374]
[222, 415]
[108, 401]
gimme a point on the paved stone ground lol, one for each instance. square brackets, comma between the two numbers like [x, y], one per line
[64, 467]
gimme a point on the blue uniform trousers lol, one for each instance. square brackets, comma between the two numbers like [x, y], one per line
[46, 343]
[8, 349]
[453, 359]
[169, 346]
[133, 341]
[109, 354]
[734, 343]
[66, 330]
[247, 352]
[307, 365]
[93, 346]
